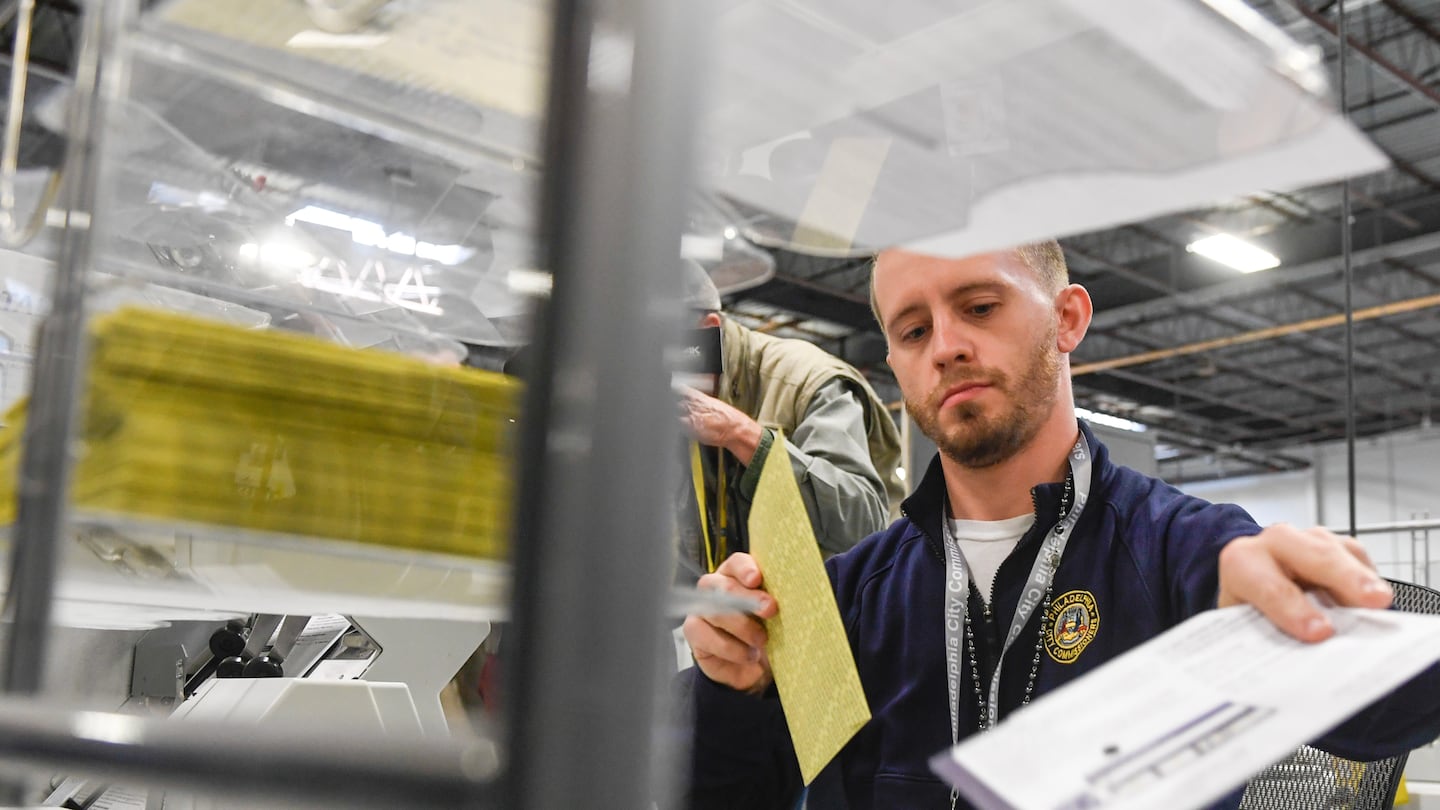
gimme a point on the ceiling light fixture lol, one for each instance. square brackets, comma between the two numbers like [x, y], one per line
[1234, 252]
[1109, 420]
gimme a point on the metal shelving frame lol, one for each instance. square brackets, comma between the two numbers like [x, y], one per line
[590, 567]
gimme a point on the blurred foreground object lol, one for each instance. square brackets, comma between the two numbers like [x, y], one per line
[200, 421]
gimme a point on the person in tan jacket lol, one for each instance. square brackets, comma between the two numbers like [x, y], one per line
[844, 445]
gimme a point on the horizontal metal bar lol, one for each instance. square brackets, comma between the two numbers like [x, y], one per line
[321, 769]
[1396, 526]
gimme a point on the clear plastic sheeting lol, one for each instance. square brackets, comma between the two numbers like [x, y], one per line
[841, 127]
[713, 238]
[208, 189]
[464, 77]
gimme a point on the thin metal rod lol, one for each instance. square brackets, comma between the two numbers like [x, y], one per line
[14, 117]
[12, 233]
[1346, 253]
[1392, 526]
[45, 457]
[238, 760]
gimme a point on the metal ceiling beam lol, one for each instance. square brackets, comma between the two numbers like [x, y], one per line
[1298, 246]
[819, 307]
[1263, 376]
[1128, 273]
[1402, 414]
[1201, 396]
[1375, 425]
[1368, 357]
[1271, 205]
[1305, 389]
[1376, 58]
[1249, 285]
[840, 267]
[1407, 168]
[1415, 20]
[1230, 317]
[1385, 211]
[1269, 333]
[815, 300]
[1399, 325]
[1234, 318]
[1269, 462]
[807, 284]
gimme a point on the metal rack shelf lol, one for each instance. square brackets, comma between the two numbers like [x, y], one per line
[249, 762]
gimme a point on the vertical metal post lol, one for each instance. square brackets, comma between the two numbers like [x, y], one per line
[1420, 551]
[46, 451]
[1345, 252]
[591, 561]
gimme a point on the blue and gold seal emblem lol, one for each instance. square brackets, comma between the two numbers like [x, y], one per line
[1071, 624]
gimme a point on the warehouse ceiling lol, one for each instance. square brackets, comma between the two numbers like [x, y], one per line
[1233, 373]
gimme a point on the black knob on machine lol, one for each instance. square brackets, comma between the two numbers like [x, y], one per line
[266, 665]
[228, 640]
[231, 667]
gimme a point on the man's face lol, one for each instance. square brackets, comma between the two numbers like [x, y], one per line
[973, 344]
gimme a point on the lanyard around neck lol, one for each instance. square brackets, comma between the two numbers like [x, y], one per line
[714, 553]
[1042, 573]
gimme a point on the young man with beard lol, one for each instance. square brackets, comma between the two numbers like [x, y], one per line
[1020, 500]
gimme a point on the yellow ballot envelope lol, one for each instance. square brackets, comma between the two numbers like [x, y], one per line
[809, 654]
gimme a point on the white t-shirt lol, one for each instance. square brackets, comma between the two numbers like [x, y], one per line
[986, 544]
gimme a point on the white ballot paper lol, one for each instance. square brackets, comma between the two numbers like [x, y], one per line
[1189, 716]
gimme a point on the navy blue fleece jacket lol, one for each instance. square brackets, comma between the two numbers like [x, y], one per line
[1144, 551]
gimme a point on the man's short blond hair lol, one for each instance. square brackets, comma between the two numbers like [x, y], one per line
[1047, 259]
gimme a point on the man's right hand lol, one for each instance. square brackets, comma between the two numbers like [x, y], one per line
[730, 648]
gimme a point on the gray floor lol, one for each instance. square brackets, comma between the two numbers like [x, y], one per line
[1422, 770]
[1423, 796]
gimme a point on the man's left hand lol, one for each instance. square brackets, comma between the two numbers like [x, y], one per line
[713, 423]
[1273, 569]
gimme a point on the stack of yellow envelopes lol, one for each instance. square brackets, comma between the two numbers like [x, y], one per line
[194, 420]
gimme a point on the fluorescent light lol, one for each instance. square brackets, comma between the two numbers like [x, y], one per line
[900, 473]
[373, 234]
[1098, 418]
[278, 253]
[321, 216]
[1234, 252]
[444, 254]
[402, 243]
